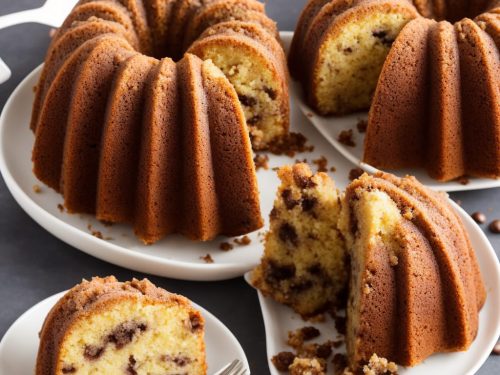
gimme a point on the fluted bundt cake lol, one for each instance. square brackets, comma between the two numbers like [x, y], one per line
[414, 283]
[434, 99]
[104, 326]
[156, 143]
[304, 247]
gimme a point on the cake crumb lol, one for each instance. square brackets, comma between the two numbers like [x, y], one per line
[463, 180]
[362, 125]
[290, 144]
[226, 246]
[37, 189]
[106, 223]
[496, 349]
[243, 241]
[60, 207]
[207, 258]
[307, 366]
[355, 173]
[97, 234]
[261, 161]
[378, 365]
[52, 32]
[322, 164]
[333, 169]
[296, 338]
[310, 114]
[345, 137]
[283, 360]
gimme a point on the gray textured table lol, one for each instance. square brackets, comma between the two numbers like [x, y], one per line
[35, 265]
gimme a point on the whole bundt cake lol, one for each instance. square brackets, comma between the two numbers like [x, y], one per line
[414, 283]
[435, 99]
[104, 326]
[156, 143]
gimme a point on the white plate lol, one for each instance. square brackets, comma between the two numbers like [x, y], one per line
[174, 256]
[331, 126]
[19, 346]
[279, 319]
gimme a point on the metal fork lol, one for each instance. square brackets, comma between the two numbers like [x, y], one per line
[236, 367]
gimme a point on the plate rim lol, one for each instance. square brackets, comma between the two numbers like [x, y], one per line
[57, 296]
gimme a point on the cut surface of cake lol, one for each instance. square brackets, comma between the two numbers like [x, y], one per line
[304, 263]
[104, 326]
[428, 71]
[414, 284]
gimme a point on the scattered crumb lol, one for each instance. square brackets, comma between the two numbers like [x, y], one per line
[106, 223]
[297, 161]
[355, 173]
[378, 365]
[290, 144]
[320, 318]
[322, 164]
[34, 88]
[459, 202]
[60, 207]
[333, 169]
[339, 363]
[261, 161]
[463, 180]
[276, 169]
[207, 258]
[242, 241]
[52, 32]
[283, 360]
[345, 137]
[362, 125]
[97, 234]
[494, 226]
[296, 338]
[310, 114]
[307, 366]
[37, 189]
[226, 246]
[496, 349]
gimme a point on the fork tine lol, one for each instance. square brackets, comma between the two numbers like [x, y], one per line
[229, 369]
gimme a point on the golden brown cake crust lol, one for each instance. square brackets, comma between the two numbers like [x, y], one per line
[85, 298]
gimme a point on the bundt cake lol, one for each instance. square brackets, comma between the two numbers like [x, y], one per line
[304, 247]
[156, 143]
[434, 99]
[414, 284]
[104, 326]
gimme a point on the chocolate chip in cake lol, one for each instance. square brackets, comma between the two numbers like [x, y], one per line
[315, 269]
[298, 287]
[274, 213]
[131, 366]
[347, 51]
[290, 203]
[362, 125]
[345, 137]
[288, 234]
[93, 352]
[124, 333]
[68, 369]
[355, 173]
[270, 92]
[275, 273]
[247, 101]
[479, 217]
[179, 360]
[195, 322]
[303, 182]
[283, 360]
[494, 226]
[383, 37]
[308, 203]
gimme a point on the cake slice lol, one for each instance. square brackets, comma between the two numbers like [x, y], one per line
[104, 326]
[304, 263]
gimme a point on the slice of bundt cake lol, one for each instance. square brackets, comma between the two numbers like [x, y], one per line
[415, 286]
[104, 326]
[304, 263]
[414, 283]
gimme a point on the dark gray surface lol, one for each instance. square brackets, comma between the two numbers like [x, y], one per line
[35, 265]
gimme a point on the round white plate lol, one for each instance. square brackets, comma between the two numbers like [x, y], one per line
[331, 126]
[279, 319]
[19, 346]
[174, 256]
